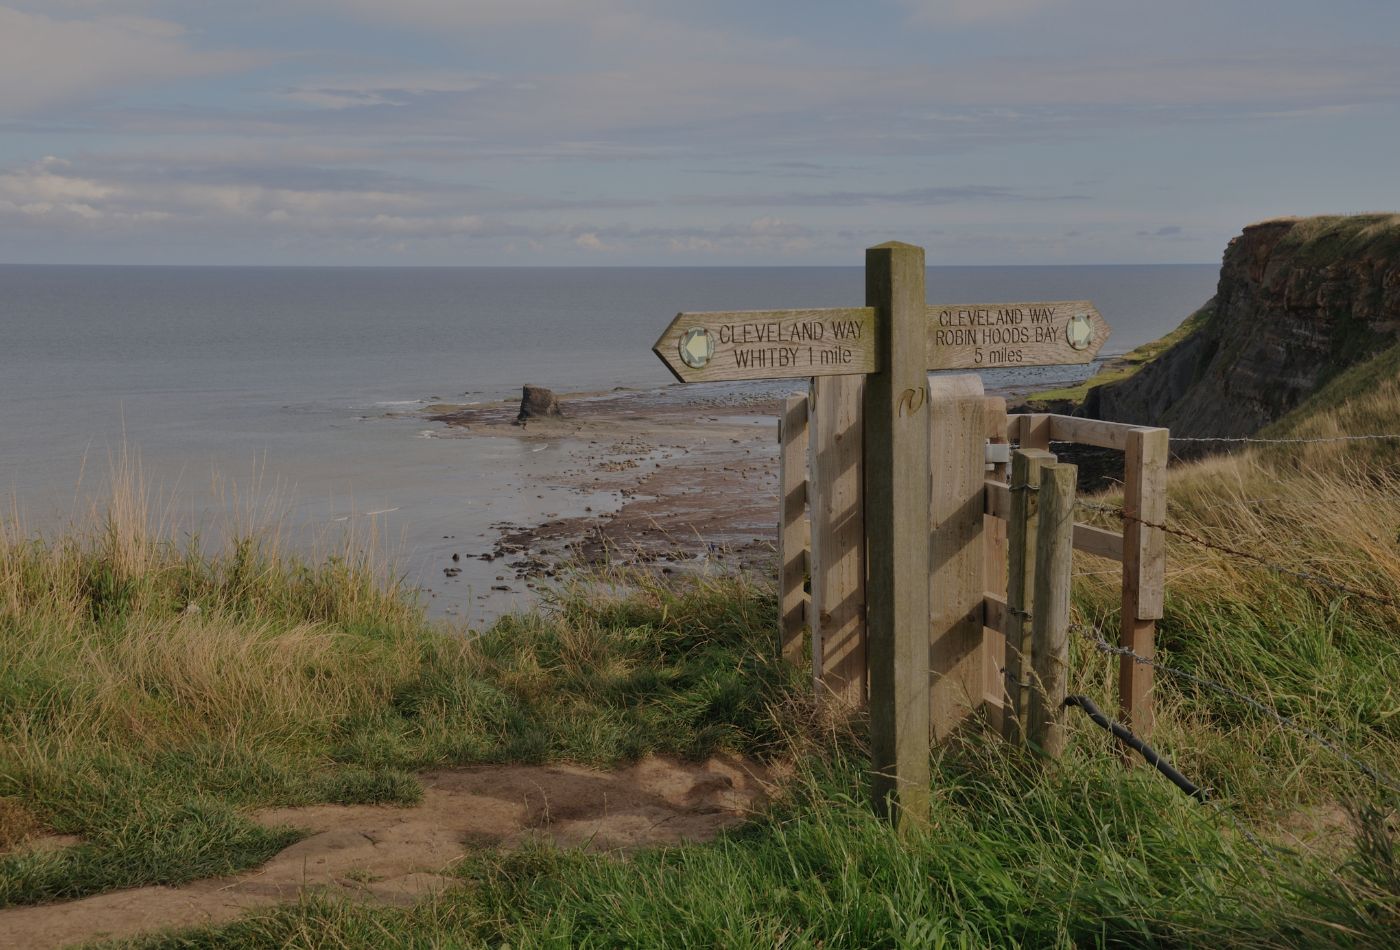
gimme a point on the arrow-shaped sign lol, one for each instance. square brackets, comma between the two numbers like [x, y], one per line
[769, 344]
[1003, 335]
[789, 344]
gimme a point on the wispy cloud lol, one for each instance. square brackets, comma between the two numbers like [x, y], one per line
[46, 61]
[973, 11]
[908, 197]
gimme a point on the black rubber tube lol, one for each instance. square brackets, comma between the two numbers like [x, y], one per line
[1122, 734]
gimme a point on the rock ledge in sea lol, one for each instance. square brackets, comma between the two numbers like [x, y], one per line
[536, 402]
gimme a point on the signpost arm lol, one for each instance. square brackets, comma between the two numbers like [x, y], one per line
[897, 487]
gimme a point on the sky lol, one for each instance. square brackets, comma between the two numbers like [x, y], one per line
[695, 132]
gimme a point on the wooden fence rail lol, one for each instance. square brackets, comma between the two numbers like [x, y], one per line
[988, 566]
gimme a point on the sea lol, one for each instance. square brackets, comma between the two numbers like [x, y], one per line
[290, 393]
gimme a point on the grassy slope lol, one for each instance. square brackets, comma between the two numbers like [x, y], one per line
[149, 730]
[1125, 366]
[146, 727]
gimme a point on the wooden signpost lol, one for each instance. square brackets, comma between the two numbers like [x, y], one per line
[915, 564]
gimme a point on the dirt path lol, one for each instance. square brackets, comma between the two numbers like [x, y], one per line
[398, 855]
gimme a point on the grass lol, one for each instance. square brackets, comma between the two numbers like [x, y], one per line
[1123, 367]
[150, 730]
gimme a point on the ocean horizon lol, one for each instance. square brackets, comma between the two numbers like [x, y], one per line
[311, 380]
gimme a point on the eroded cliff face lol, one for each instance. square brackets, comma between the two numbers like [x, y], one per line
[1298, 301]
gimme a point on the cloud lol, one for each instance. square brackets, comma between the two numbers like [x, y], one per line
[1169, 232]
[384, 90]
[58, 193]
[785, 112]
[971, 11]
[46, 61]
[270, 206]
[909, 197]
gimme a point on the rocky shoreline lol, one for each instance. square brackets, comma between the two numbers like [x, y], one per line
[689, 475]
[694, 479]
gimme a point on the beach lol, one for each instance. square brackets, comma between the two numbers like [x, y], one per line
[676, 480]
[677, 483]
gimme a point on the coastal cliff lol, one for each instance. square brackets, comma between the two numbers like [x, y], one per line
[1299, 300]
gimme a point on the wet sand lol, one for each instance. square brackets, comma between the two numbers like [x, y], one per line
[676, 480]
[679, 484]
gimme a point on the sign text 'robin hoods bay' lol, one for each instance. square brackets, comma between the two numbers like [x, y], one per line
[993, 335]
[769, 344]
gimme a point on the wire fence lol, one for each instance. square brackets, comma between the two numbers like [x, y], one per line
[1255, 440]
[1333, 745]
[1310, 576]
[1322, 737]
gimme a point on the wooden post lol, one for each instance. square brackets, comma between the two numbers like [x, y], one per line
[1054, 553]
[897, 490]
[956, 585]
[1020, 586]
[793, 527]
[1033, 431]
[994, 573]
[838, 541]
[1144, 567]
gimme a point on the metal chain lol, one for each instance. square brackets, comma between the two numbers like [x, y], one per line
[1246, 555]
[1103, 646]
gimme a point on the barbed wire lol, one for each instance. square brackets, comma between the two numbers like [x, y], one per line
[1095, 637]
[1255, 440]
[1281, 500]
[1194, 538]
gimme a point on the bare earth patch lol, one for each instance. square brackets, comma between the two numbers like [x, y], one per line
[397, 855]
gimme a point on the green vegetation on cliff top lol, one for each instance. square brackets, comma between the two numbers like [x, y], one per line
[1330, 238]
[1122, 367]
[1317, 241]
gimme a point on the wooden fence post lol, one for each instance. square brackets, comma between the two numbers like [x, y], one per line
[1020, 586]
[897, 487]
[994, 573]
[956, 585]
[1144, 567]
[1033, 431]
[1054, 552]
[793, 527]
[838, 541]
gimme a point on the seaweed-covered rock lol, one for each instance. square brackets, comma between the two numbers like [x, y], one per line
[536, 402]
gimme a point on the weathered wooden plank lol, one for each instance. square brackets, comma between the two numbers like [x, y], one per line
[1107, 435]
[769, 344]
[997, 503]
[994, 615]
[994, 569]
[838, 541]
[896, 517]
[1148, 453]
[1098, 541]
[1031, 430]
[956, 585]
[794, 529]
[999, 335]
[1050, 622]
[1087, 538]
[1144, 566]
[1020, 586]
